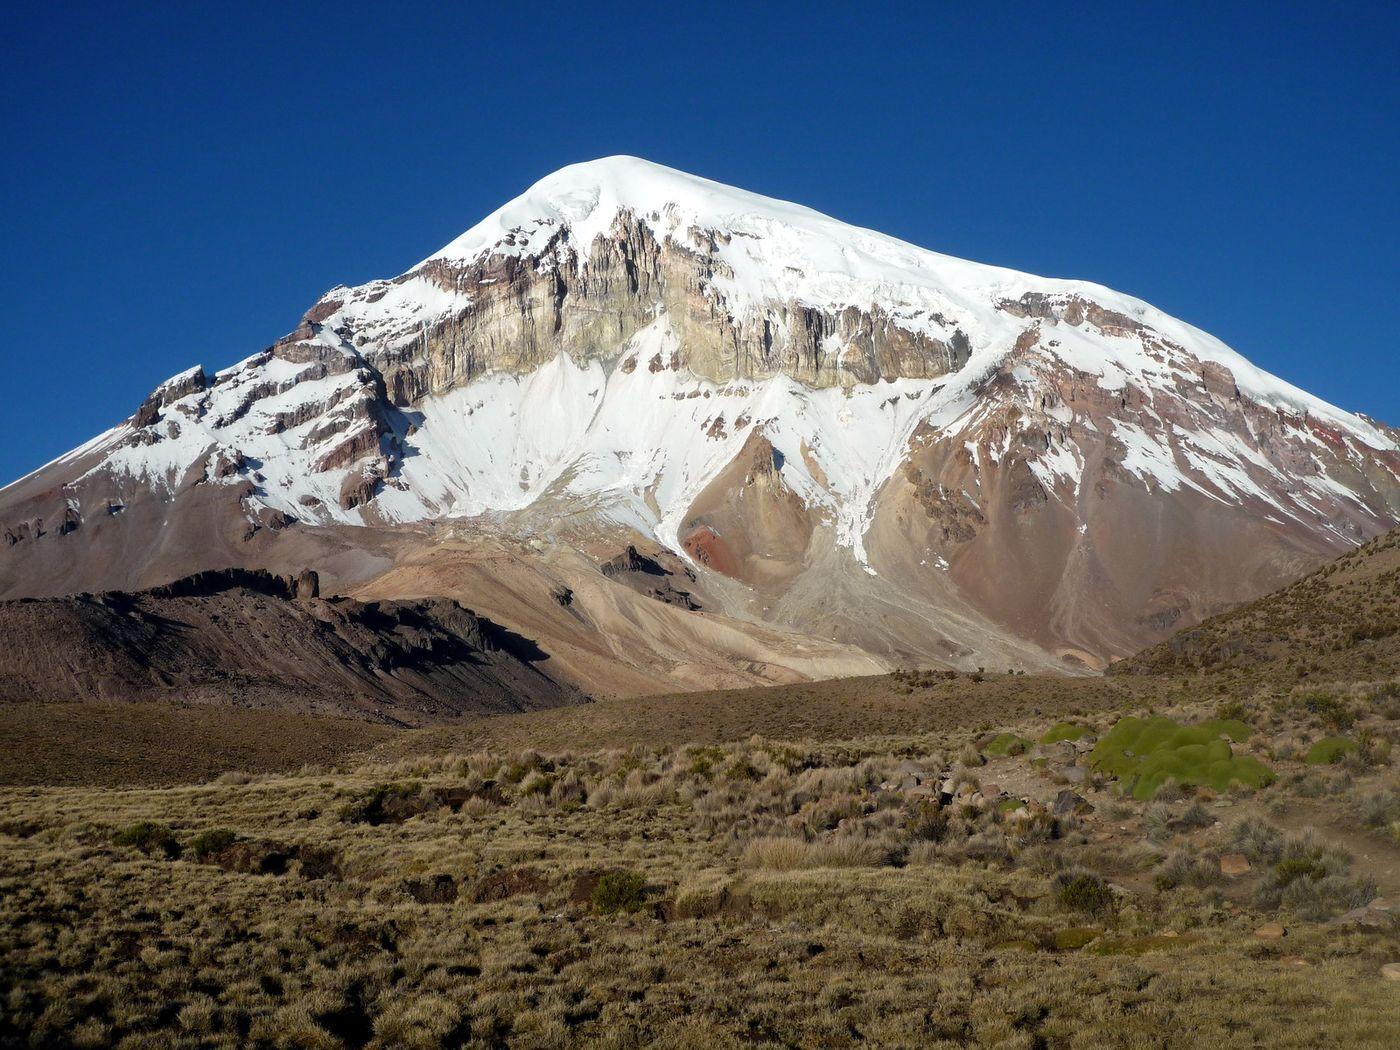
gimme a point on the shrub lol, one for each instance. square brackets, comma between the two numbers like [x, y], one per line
[385, 803]
[1323, 897]
[149, 837]
[1380, 809]
[845, 851]
[1330, 709]
[1386, 700]
[1197, 816]
[210, 842]
[775, 853]
[1182, 869]
[1158, 822]
[1261, 842]
[619, 891]
[1231, 711]
[927, 822]
[789, 854]
[1330, 750]
[1083, 892]
[1311, 879]
[742, 769]
[536, 783]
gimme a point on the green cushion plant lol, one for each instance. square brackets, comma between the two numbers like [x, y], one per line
[1329, 750]
[1004, 744]
[1145, 753]
[1064, 731]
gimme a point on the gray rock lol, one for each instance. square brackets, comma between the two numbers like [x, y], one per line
[1067, 802]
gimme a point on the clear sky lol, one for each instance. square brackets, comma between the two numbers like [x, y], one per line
[178, 187]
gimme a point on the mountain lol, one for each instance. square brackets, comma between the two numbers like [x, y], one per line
[250, 639]
[855, 453]
[1340, 622]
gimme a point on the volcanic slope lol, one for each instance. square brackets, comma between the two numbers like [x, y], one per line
[845, 437]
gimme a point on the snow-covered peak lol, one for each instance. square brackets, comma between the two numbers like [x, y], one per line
[777, 252]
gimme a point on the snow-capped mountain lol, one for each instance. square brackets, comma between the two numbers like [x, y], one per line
[843, 435]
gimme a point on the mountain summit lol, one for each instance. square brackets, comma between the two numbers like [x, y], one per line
[849, 451]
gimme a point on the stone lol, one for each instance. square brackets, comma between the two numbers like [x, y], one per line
[1073, 774]
[1234, 864]
[1067, 802]
[910, 768]
[908, 782]
[1373, 916]
[307, 584]
[435, 889]
[1271, 931]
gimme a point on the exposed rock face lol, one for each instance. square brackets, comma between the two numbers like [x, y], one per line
[858, 438]
[648, 576]
[251, 638]
[519, 312]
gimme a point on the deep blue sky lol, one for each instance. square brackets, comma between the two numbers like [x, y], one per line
[178, 188]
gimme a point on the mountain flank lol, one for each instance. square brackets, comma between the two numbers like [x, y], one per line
[248, 638]
[1341, 621]
[911, 459]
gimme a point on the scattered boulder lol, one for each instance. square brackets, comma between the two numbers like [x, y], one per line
[502, 884]
[1067, 802]
[649, 577]
[435, 889]
[632, 560]
[1373, 916]
[1234, 865]
[307, 585]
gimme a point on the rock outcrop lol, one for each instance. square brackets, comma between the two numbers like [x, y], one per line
[252, 638]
